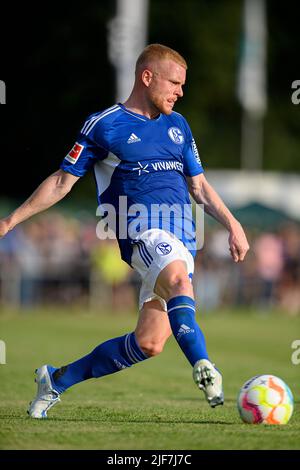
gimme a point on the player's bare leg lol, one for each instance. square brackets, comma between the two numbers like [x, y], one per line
[173, 280]
[153, 328]
[173, 284]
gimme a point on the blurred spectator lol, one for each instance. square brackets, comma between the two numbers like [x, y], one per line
[268, 250]
[30, 258]
[289, 285]
[212, 270]
[110, 276]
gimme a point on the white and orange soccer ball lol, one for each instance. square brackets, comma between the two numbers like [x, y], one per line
[265, 399]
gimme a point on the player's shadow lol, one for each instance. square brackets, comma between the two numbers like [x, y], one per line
[228, 401]
[141, 421]
[157, 420]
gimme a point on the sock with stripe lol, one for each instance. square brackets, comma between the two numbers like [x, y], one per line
[181, 312]
[109, 357]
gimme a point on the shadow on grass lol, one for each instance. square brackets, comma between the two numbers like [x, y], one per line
[112, 421]
[189, 399]
[145, 421]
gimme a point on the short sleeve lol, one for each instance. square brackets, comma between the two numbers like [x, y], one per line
[89, 148]
[192, 165]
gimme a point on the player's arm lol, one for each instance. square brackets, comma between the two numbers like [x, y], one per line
[203, 193]
[51, 190]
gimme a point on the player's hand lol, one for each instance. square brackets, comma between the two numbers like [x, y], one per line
[4, 227]
[238, 243]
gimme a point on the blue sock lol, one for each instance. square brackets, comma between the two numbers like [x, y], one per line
[181, 311]
[109, 357]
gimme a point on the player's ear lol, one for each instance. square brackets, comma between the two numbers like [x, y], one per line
[146, 77]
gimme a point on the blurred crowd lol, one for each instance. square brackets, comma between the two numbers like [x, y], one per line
[268, 278]
[58, 259]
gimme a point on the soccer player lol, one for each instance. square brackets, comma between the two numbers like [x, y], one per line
[144, 158]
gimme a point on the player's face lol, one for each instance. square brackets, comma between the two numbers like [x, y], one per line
[165, 87]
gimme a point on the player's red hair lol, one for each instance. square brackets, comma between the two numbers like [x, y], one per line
[154, 52]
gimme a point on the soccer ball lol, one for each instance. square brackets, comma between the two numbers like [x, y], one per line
[265, 399]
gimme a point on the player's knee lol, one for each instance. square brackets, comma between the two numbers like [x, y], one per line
[151, 348]
[178, 284]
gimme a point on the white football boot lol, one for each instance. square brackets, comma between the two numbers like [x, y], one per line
[209, 379]
[46, 396]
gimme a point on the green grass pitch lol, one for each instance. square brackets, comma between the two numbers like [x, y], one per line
[153, 405]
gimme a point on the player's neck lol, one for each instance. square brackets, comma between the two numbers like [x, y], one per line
[141, 106]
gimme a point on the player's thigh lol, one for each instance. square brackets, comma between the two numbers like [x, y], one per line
[153, 327]
[174, 280]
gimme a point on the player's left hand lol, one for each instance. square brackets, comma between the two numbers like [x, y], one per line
[238, 243]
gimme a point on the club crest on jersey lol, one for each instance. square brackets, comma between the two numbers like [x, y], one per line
[176, 135]
[74, 154]
[163, 249]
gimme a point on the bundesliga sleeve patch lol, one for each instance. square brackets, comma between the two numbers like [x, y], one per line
[195, 152]
[74, 154]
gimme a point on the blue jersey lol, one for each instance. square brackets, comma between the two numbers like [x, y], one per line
[140, 167]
